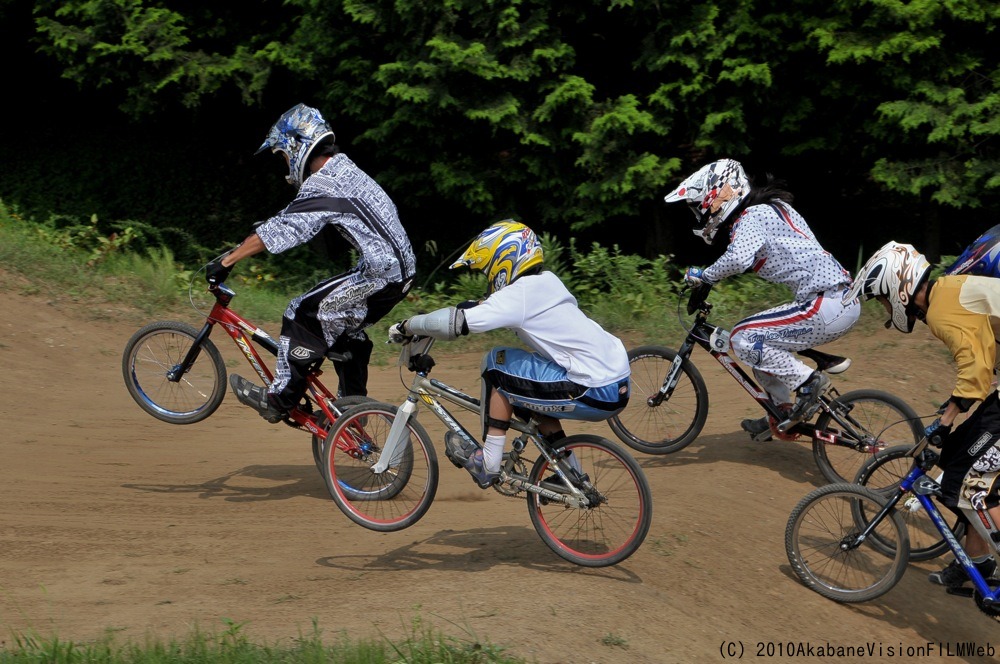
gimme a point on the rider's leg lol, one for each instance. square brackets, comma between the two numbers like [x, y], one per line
[497, 423]
[376, 299]
[767, 342]
[299, 352]
[971, 468]
[353, 373]
[312, 322]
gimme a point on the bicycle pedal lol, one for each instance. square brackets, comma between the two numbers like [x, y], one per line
[960, 592]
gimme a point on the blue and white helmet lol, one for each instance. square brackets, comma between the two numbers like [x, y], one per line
[712, 194]
[294, 135]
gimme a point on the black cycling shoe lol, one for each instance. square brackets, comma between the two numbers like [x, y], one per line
[831, 364]
[953, 576]
[256, 397]
[759, 430]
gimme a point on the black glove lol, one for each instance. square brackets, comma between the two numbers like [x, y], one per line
[937, 433]
[216, 272]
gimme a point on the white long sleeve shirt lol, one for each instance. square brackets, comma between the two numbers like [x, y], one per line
[545, 316]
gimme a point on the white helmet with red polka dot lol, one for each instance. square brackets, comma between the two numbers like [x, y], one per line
[713, 193]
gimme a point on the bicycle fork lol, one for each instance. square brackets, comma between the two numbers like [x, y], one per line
[178, 370]
[395, 442]
[670, 382]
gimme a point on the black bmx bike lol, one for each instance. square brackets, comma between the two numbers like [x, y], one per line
[669, 404]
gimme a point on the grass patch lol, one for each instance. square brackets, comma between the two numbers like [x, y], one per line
[231, 646]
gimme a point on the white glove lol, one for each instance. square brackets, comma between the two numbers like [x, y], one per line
[398, 333]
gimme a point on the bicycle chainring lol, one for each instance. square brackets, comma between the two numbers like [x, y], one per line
[991, 610]
[512, 467]
[306, 407]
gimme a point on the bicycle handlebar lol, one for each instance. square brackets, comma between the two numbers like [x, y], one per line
[696, 301]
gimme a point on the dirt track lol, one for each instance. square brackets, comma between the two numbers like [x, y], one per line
[115, 521]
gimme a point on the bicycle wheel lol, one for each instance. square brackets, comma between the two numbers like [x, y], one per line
[883, 473]
[393, 499]
[820, 540]
[612, 527]
[673, 423]
[155, 351]
[339, 406]
[878, 420]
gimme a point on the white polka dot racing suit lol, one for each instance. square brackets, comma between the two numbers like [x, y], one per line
[774, 241]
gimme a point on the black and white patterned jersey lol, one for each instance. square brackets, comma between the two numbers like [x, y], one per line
[342, 195]
[773, 240]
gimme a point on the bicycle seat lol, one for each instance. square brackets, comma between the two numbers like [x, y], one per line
[831, 364]
[338, 357]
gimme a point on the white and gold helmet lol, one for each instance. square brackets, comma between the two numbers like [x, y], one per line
[713, 193]
[503, 252]
[894, 272]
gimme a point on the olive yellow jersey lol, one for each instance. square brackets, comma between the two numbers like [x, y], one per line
[964, 312]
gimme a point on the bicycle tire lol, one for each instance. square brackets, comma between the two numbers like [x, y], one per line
[389, 501]
[818, 526]
[675, 422]
[872, 411]
[339, 406]
[152, 352]
[883, 473]
[608, 532]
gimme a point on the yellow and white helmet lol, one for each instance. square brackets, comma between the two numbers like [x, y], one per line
[503, 252]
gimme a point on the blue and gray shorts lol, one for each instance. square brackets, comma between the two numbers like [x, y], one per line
[534, 383]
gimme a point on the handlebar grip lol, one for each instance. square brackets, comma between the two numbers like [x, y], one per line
[698, 296]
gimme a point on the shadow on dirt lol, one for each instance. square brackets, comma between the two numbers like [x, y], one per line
[473, 551]
[250, 484]
[936, 617]
[792, 460]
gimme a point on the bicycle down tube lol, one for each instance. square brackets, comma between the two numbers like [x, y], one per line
[426, 389]
[701, 335]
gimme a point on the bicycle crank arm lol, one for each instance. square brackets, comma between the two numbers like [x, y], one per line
[579, 502]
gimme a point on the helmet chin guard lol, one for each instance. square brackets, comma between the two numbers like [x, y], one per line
[294, 135]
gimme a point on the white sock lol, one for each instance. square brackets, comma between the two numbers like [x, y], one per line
[493, 452]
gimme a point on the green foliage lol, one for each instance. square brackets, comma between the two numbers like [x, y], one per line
[574, 117]
[232, 646]
[935, 118]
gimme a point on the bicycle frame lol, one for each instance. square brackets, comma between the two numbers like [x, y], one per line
[923, 487]
[715, 341]
[245, 335]
[428, 390]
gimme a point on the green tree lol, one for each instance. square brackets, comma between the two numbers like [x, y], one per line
[579, 116]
